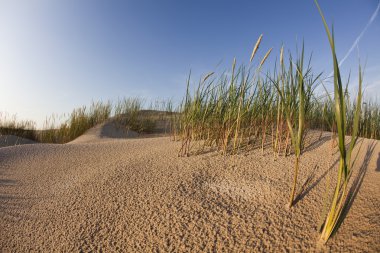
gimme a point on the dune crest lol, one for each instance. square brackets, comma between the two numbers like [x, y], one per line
[106, 130]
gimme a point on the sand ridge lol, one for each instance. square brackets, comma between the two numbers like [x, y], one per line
[110, 129]
[136, 195]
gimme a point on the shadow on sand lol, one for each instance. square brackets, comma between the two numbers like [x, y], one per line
[9, 203]
[356, 184]
[307, 186]
[316, 143]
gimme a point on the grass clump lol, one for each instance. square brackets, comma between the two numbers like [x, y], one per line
[80, 120]
[226, 111]
[247, 109]
[341, 119]
[130, 112]
[294, 88]
[10, 125]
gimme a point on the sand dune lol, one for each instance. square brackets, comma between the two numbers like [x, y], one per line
[12, 140]
[109, 129]
[136, 195]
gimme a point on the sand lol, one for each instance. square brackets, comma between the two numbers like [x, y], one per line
[108, 130]
[136, 195]
[12, 140]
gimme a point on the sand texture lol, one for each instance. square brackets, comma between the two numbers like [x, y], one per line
[136, 195]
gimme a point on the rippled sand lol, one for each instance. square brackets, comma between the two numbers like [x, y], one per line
[136, 195]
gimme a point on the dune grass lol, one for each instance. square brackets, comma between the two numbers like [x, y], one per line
[342, 119]
[223, 109]
[294, 90]
[247, 108]
[10, 125]
[80, 120]
[233, 112]
[132, 113]
[129, 113]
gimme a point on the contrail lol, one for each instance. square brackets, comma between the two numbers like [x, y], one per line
[361, 34]
[356, 42]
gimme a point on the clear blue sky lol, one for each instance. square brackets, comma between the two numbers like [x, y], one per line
[57, 55]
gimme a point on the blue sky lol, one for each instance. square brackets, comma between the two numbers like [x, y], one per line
[58, 55]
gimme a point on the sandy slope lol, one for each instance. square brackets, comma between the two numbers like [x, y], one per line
[136, 195]
[12, 140]
[106, 130]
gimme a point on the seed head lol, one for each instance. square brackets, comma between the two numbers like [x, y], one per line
[255, 48]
